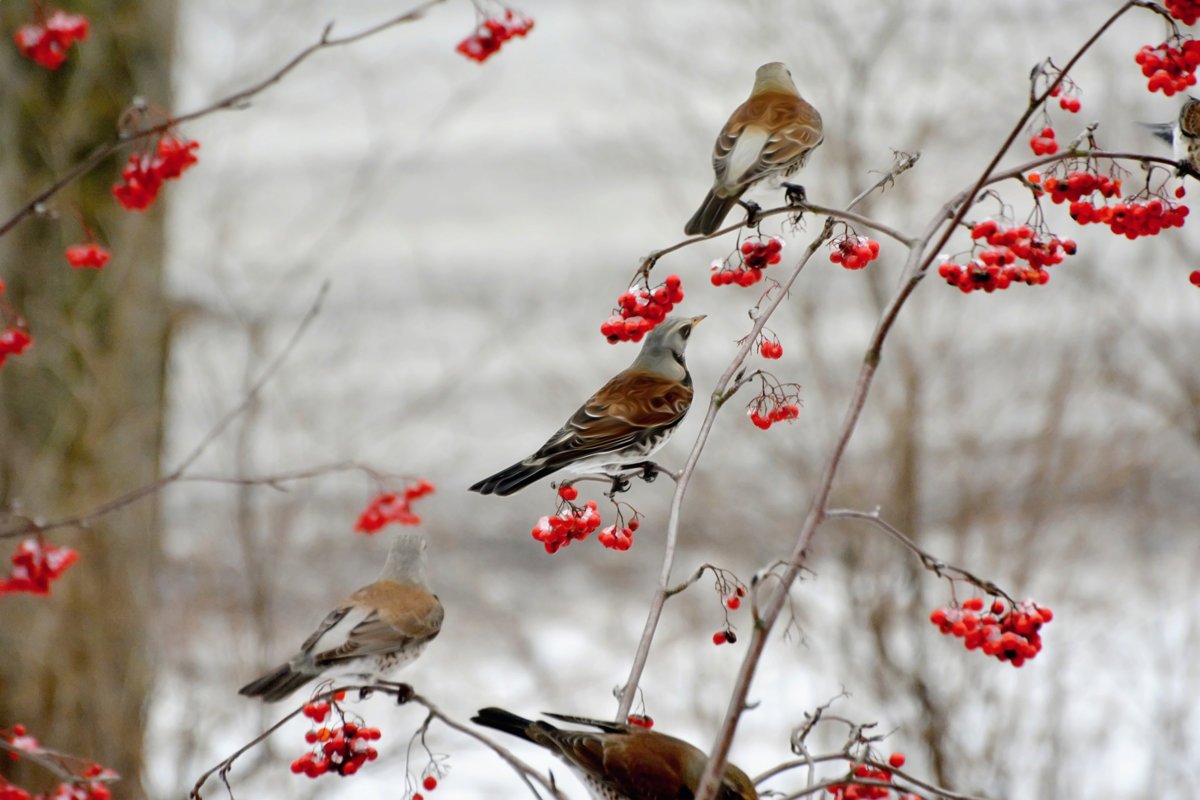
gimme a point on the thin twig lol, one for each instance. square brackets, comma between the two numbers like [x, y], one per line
[237, 100]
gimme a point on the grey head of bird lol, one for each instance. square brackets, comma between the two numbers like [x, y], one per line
[406, 559]
[662, 351]
[774, 77]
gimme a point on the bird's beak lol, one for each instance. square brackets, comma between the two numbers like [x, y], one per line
[696, 320]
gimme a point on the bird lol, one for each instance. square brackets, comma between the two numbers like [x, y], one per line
[1183, 135]
[771, 134]
[623, 423]
[378, 629]
[622, 761]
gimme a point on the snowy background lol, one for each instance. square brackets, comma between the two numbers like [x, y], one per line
[476, 223]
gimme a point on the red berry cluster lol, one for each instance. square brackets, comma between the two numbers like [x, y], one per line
[1170, 69]
[36, 565]
[46, 42]
[777, 414]
[337, 748]
[859, 791]
[13, 342]
[492, 33]
[995, 267]
[854, 252]
[1132, 219]
[1078, 185]
[89, 776]
[392, 507]
[1009, 634]
[1067, 102]
[570, 523]
[143, 176]
[619, 538]
[745, 266]
[87, 255]
[770, 349]
[1044, 143]
[641, 309]
[776, 402]
[641, 720]
[724, 637]
[1186, 11]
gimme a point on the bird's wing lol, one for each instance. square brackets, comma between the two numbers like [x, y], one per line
[327, 624]
[643, 765]
[1189, 118]
[392, 615]
[617, 416]
[765, 134]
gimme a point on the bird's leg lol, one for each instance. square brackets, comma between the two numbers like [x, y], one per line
[795, 194]
[619, 484]
[649, 470]
[753, 209]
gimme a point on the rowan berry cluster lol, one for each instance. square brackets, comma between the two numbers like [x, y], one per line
[392, 507]
[617, 537]
[342, 748]
[87, 255]
[745, 265]
[47, 40]
[640, 310]
[1066, 100]
[491, 34]
[569, 524]
[1044, 144]
[1170, 69]
[854, 252]
[143, 176]
[13, 342]
[1009, 634]
[35, 566]
[776, 402]
[1186, 11]
[770, 348]
[641, 720]
[724, 637]
[89, 777]
[1076, 185]
[995, 266]
[1131, 218]
[859, 791]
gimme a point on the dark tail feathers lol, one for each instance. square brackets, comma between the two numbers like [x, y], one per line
[276, 685]
[502, 720]
[510, 480]
[711, 214]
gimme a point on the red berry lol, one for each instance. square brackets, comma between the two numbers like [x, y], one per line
[430, 783]
[733, 603]
[720, 638]
[896, 760]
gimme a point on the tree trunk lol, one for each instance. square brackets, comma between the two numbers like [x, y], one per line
[81, 411]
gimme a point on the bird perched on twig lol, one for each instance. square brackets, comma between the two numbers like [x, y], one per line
[379, 628]
[620, 761]
[1183, 135]
[622, 424]
[771, 134]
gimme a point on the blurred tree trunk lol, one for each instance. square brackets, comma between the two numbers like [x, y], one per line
[81, 412]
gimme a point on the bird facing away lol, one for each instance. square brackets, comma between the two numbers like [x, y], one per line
[379, 628]
[622, 762]
[771, 134]
[1184, 136]
[622, 424]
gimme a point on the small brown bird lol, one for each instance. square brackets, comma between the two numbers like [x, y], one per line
[622, 424]
[622, 762]
[1184, 136]
[771, 134]
[380, 628]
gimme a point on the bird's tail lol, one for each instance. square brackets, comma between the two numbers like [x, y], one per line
[505, 721]
[1163, 130]
[277, 684]
[516, 477]
[710, 215]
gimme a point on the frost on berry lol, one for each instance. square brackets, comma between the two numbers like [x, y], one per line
[1008, 633]
[35, 566]
[641, 309]
[389, 507]
[745, 265]
[48, 38]
[570, 523]
[492, 31]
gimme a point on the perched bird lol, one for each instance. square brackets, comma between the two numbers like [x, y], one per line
[379, 628]
[622, 762]
[622, 424]
[1183, 135]
[772, 133]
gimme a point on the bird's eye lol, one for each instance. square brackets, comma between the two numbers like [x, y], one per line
[685, 332]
